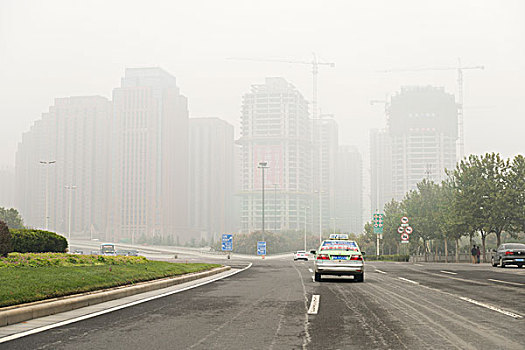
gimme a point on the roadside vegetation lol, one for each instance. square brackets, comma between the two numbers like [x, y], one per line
[31, 277]
[482, 199]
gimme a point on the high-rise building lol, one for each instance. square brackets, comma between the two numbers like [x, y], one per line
[423, 132]
[212, 179]
[325, 159]
[380, 169]
[149, 187]
[73, 136]
[349, 191]
[276, 129]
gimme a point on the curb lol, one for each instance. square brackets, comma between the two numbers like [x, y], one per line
[19, 313]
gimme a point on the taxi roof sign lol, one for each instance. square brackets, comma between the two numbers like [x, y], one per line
[338, 236]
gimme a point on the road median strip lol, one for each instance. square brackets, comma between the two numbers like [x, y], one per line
[19, 313]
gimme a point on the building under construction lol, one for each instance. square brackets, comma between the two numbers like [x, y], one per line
[276, 128]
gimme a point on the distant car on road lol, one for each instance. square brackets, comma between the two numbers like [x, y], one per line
[339, 256]
[133, 252]
[78, 252]
[300, 255]
[509, 254]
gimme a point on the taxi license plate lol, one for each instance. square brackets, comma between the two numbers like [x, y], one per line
[520, 260]
[339, 257]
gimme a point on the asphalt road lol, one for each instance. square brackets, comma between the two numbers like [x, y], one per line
[399, 306]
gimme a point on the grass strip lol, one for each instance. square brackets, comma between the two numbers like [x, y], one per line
[27, 284]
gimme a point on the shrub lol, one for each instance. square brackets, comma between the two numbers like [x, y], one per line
[5, 239]
[397, 257]
[37, 241]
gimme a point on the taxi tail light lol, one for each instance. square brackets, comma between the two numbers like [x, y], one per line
[509, 253]
[356, 257]
[323, 257]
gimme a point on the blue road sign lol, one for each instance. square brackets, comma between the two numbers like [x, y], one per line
[261, 248]
[227, 242]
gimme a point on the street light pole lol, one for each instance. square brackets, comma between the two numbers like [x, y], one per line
[47, 163]
[70, 188]
[262, 166]
[305, 227]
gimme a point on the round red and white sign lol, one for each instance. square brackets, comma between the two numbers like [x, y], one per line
[404, 220]
[400, 229]
[404, 237]
[409, 229]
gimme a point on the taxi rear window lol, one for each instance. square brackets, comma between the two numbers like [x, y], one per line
[339, 245]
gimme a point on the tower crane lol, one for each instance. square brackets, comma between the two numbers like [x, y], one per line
[459, 69]
[315, 63]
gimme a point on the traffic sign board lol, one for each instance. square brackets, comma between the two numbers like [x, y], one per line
[404, 237]
[409, 229]
[404, 220]
[261, 248]
[227, 242]
[400, 229]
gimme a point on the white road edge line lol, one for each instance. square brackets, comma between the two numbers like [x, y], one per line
[314, 305]
[493, 308]
[449, 272]
[98, 313]
[311, 270]
[507, 282]
[418, 264]
[383, 272]
[407, 280]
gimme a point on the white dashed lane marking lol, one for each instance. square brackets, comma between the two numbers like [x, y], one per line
[383, 272]
[310, 270]
[507, 282]
[491, 307]
[314, 305]
[407, 280]
[449, 272]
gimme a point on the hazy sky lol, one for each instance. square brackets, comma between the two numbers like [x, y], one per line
[55, 48]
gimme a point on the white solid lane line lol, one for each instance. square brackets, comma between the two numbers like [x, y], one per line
[310, 270]
[383, 272]
[418, 264]
[507, 282]
[314, 305]
[140, 301]
[449, 272]
[407, 280]
[491, 307]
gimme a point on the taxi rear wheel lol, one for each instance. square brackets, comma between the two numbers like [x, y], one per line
[317, 277]
[360, 278]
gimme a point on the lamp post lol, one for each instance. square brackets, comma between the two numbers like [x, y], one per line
[71, 188]
[319, 192]
[305, 208]
[47, 163]
[262, 166]
[275, 207]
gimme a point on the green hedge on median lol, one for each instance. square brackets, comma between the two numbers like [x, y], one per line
[37, 241]
[397, 257]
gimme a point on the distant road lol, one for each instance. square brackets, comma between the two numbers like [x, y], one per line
[399, 306]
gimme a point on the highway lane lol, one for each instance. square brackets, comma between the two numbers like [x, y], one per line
[399, 306]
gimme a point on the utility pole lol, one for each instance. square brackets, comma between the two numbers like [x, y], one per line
[71, 188]
[47, 164]
[262, 166]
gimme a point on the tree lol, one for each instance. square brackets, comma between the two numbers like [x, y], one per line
[516, 193]
[12, 218]
[483, 195]
[421, 208]
[453, 224]
[5, 239]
